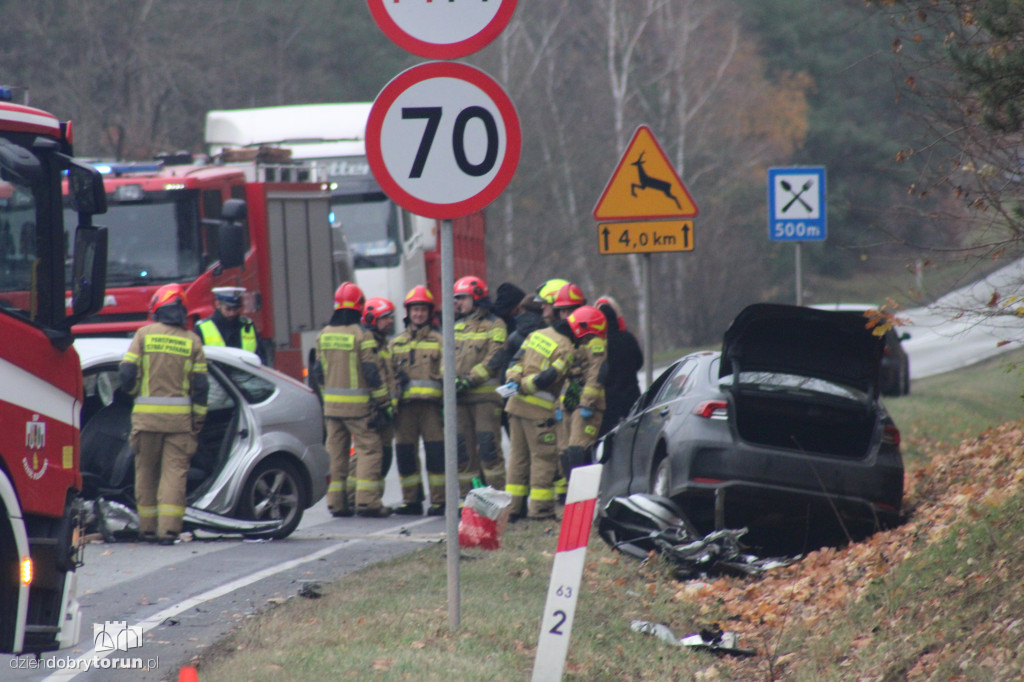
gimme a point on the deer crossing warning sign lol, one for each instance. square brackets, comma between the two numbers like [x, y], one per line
[644, 185]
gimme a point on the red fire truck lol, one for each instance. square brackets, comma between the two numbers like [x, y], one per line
[261, 224]
[40, 375]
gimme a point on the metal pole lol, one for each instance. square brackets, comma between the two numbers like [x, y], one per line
[648, 345]
[799, 277]
[451, 457]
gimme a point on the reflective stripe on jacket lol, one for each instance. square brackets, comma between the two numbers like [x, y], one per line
[167, 359]
[348, 354]
[543, 349]
[416, 361]
[211, 335]
[480, 354]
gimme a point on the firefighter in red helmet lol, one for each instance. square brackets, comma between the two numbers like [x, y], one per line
[537, 376]
[590, 327]
[165, 369]
[416, 358]
[479, 360]
[356, 405]
[379, 319]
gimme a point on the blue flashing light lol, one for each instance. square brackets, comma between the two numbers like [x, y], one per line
[6, 94]
[104, 169]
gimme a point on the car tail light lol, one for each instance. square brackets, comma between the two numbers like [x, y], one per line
[891, 435]
[713, 409]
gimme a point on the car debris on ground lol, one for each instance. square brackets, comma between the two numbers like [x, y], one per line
[712, 639]
[641, 524]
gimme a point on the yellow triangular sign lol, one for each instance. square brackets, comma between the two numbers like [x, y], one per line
[644, 185]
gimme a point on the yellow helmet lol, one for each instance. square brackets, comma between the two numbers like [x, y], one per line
[547, 291]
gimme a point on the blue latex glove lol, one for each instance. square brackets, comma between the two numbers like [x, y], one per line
[586, 412]
[558, 414]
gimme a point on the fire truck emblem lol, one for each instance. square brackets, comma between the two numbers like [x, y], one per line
[35, 439]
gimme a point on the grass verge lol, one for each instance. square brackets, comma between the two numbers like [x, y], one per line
[938, 598]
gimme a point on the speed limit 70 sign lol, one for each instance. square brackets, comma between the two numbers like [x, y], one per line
[443, 139]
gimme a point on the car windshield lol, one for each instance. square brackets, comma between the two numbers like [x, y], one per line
[793, 383]
[370, 224]
[153, 240]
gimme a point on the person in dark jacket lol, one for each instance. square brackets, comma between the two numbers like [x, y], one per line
[625, 360]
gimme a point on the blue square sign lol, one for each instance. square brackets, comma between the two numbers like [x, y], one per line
[796, 204]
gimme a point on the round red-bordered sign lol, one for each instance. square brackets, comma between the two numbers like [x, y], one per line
[443, 139]
[442, 30]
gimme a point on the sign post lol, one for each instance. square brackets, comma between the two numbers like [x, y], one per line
[566, 574]
[645, 198]
[797, 211]
[443, 141]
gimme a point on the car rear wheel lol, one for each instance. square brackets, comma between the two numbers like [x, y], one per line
[661, 480]
[274, 491]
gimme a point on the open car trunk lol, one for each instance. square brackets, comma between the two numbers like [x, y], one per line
[843, 428]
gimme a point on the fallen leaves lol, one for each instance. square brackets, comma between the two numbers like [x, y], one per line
[980, 472]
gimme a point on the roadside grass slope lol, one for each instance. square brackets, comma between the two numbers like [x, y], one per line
[937, 598]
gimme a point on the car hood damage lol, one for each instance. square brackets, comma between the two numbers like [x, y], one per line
[829, 345]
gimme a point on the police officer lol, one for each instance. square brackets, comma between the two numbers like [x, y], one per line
[479, 360]
[165, 369]
[538, 375]
[416, 358]
[227, 326]
[356, 405]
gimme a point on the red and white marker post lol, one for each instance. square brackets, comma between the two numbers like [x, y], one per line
[566, 573]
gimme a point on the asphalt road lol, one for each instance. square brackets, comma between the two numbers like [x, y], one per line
[187, 596]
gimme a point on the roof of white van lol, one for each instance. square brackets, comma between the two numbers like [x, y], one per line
[309, 130]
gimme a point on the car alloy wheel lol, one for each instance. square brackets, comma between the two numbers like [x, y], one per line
[274, 491]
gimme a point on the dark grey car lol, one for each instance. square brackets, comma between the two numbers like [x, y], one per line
[784, 424]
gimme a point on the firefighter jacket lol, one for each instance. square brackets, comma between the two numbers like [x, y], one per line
[385, 360]
[165, 369]
[544, 349]
[479, 355]
[244, 336]
[416, 360]
[352, 370]
[592, 372]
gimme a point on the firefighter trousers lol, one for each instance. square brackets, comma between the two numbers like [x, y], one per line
[343, 434]
[387, 437]
[418, 419]
[161, 474]
[532, 465]
[479, 445]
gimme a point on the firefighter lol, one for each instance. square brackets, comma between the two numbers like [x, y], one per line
[546, 293]
[625, 359]
[416, 358]
[165, 369]
[538, 375]
[479, 360]
[568, 298]
[590, 327]
[379, 319]
[227, 326]
[356, 405]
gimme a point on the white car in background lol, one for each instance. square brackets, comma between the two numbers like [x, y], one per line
[260, 458]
